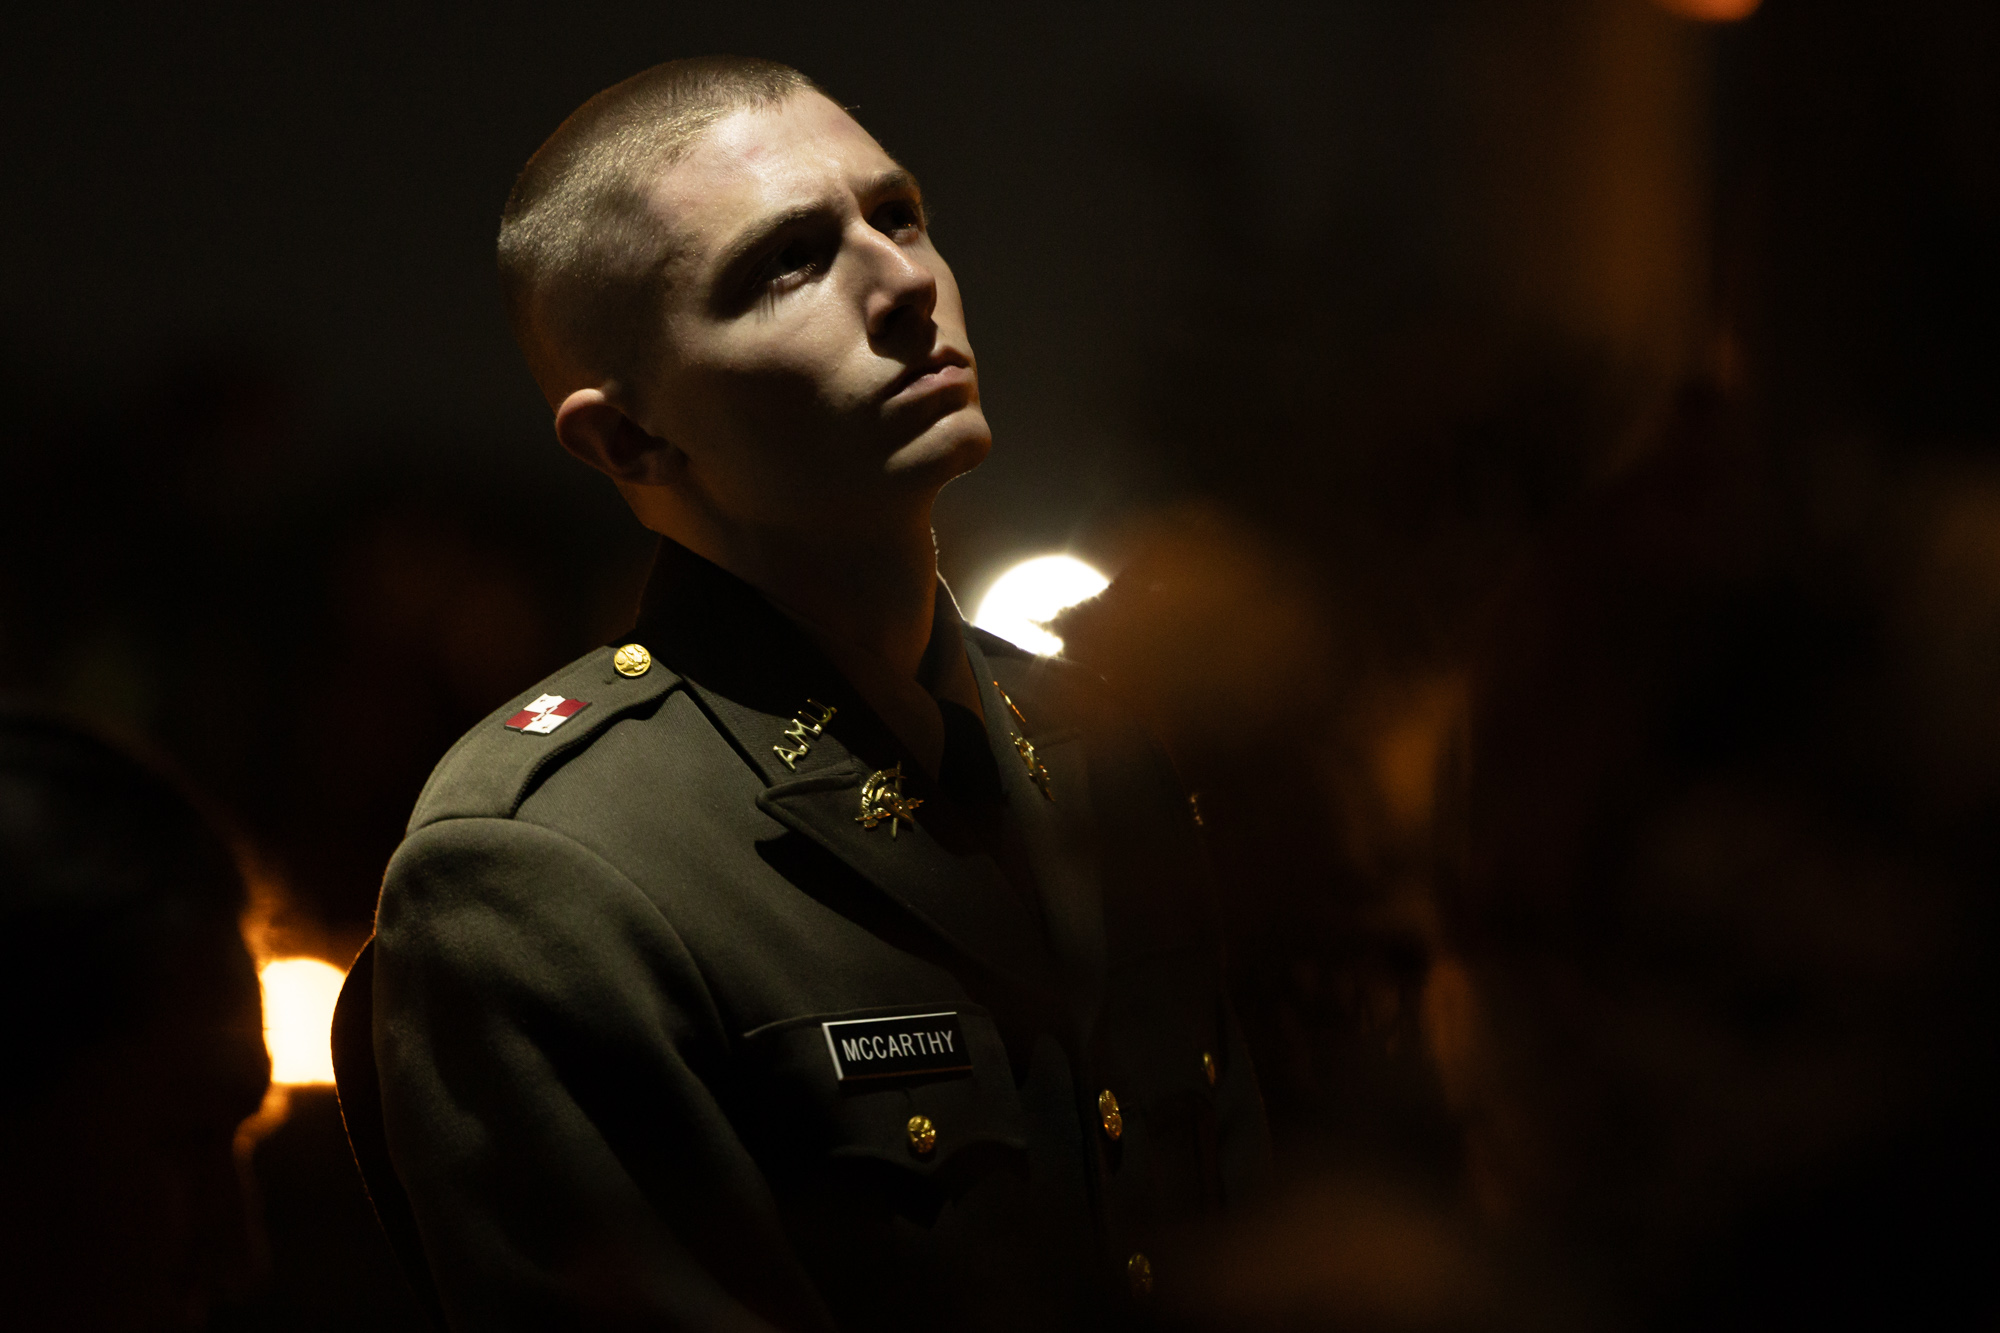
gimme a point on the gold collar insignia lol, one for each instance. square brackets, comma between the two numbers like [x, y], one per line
[882, 798]
[1038, 772]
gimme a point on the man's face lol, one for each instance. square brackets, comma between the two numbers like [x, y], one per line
[818, 370]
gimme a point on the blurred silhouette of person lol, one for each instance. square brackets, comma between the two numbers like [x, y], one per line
[1714, 1005]
[134, 1040]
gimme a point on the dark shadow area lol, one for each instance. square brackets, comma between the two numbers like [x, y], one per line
[330, 1267]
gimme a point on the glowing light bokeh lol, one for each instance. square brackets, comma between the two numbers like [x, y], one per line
[1022, 601]
[299, 995]
[1711, 11]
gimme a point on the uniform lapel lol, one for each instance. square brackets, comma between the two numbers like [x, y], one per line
[963, 899]
[1058, 828]
[766, 687]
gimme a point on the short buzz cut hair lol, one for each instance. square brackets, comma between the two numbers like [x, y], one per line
[583, 255]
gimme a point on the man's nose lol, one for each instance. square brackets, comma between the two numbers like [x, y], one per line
[900, 288]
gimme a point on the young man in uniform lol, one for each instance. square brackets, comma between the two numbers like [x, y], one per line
[806, 959]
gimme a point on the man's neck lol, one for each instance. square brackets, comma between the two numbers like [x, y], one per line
[877, 592]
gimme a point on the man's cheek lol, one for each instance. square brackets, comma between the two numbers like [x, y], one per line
[790, 367]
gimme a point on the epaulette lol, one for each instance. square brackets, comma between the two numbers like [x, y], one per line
[492, 768]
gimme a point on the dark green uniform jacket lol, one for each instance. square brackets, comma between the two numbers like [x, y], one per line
[618, 963]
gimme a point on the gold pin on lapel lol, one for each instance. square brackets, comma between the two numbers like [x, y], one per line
[804, 724]
[1038, 772]
[882, 798]
[1005, 698]
[632, 660]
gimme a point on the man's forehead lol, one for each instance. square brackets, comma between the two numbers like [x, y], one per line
[762, 160]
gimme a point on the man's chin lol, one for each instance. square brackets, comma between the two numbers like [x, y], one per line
[952, 446]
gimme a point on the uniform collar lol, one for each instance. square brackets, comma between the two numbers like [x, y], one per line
[716, 630]
[737, 644]
[814, 739]
[913, 708]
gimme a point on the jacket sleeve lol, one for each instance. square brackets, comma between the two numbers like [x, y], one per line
[548, 1055]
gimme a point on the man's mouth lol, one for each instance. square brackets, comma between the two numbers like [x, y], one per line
[945, 368]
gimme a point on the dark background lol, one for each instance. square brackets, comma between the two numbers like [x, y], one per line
[1352, 336]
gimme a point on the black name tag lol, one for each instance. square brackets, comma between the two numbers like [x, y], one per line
[905, 1044]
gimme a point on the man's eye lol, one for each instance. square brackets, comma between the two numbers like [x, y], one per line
[798, 258]
[899, 215]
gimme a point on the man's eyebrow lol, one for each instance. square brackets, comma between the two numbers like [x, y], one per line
[759, 233]
[895, 181]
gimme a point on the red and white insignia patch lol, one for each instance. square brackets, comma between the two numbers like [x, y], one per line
[545, 714]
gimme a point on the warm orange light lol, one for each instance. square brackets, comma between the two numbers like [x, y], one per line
[1711, 11]
[299, 994]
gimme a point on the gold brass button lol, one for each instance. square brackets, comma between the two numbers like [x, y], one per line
[1109, 1115]
[1139, 1272]
[1208, 1068]
[632, 660]
[923, 1134]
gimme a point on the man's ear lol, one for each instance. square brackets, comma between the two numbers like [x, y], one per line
[599, 432]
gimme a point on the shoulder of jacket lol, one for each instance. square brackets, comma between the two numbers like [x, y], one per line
[995, 647]
[1053, 693]
[491, 768]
